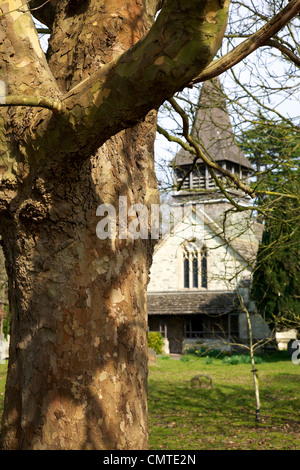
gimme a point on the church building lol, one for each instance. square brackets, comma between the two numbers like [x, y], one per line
[202, 265]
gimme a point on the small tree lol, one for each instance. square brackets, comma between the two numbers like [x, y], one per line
[276, 279]
[274, 149]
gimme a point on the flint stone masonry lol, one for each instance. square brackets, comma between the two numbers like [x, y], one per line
[223, 262]
[260, 329]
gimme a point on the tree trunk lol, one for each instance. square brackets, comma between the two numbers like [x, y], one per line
[78, 354]
[254, 370]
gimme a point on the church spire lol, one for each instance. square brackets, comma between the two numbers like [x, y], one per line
[212, 127]
[213, 131]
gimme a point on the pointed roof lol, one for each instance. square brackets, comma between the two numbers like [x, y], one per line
[244, 245]
[212, 128]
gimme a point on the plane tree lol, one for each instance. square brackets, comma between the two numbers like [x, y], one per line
[77, 130]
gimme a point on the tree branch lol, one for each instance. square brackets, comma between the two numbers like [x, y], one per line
[27, 68]
[285, 51]
[33, 101]
[256, 40]
[43, 11]
[212, 166]
[194, 149]
[43, 30]
[182, 41]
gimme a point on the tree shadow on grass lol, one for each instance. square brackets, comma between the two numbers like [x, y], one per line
[233, 401]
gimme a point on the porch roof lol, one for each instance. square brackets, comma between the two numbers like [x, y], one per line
[191, 302]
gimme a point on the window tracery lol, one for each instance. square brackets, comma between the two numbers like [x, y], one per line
[194, 266]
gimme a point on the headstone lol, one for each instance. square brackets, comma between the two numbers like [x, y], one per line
[2, 352]
[201, 381]
[151, 357]
[166, 347]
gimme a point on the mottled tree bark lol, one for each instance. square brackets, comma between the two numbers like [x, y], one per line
[78, 355]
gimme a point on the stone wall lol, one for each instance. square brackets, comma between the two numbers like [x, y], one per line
[284, 337]
[260, 328]
[222, 264]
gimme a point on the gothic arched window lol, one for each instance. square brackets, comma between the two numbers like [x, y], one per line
[194, 266]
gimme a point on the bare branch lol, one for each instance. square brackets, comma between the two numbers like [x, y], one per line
[43, 30]
[256, 40]
[43, 11]
[213, 166]
[285, 51]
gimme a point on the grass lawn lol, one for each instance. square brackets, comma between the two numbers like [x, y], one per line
[185, 418]
[182, 417]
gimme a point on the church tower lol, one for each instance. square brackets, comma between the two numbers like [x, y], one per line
[203, 266]
[213, 131]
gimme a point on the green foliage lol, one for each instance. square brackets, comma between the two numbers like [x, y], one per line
[241, 359]
[202, 351]
[208, 360]
[185, 358]
[155, 341]
[274, 150]
[209, 355]
[165, 357]
[276, 280]
[3, 373]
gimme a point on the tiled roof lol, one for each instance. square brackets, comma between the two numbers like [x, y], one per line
[185, 303]
[247, 249]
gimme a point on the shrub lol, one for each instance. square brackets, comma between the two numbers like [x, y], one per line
[185, 358]
[241, 359]
[202, 351]
[155, 341]
[208, 360]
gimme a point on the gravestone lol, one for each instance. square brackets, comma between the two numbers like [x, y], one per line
[201, 381]
[151, 357]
